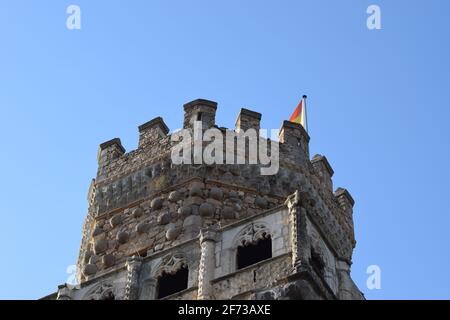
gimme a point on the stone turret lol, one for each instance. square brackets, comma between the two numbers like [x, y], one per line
[159, 230]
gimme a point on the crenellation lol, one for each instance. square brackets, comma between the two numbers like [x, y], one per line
[248, 119]
[108, 152]
[324, 171]
[294, 143]
[200, 110]
[151, 132]
[346, 203]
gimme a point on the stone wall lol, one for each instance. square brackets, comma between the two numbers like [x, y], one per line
[243, 283]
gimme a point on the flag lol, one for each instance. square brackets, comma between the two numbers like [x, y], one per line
[299, 115]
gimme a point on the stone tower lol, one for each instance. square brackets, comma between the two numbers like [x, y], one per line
[156, 230]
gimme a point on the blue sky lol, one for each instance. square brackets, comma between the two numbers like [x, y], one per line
[378, 109]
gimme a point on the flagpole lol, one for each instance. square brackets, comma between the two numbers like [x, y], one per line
[306, 115]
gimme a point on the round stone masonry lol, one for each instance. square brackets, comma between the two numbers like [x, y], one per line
[108, 260]
[164, 218]
[137, 213]
[90, 269]
[216, 193]
[173, 231]
[143, 227]
[157, 203]
[100, 246]
[122, 237]
[196, 189]
[97, 231]
[175, 196]
[261, 202]
[184, 211]
[228, 213]
[116, 220]
[207, 209]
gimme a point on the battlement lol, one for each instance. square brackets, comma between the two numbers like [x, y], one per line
[248, 119]
[152, 131]
[200, 110]
[155, 140]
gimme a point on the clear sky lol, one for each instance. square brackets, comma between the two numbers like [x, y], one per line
[378, 109]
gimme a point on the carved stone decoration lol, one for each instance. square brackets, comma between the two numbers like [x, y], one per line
[208, 238]
[170, 264]
[300, 242]
[252, 233]
[133, 265]
[64, 293]
[103, 291]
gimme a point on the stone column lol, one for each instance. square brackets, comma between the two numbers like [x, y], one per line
[208, 238]
[300, 242]
[133, 265]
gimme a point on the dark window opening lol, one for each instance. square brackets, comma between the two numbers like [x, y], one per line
[316, 262]
[199, 116]
[254, 253]
[172, 283]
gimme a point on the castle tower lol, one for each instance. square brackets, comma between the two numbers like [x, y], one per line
[156, 230]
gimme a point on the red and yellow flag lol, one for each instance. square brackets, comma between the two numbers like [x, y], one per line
[299, 115]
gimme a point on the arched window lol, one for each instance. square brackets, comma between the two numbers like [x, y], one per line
[254, 252]
[172, 283]
[254, 244]
[172, 275]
